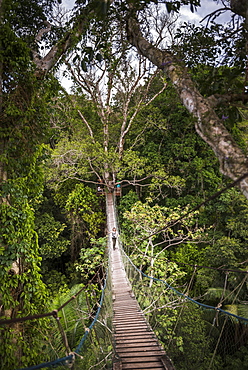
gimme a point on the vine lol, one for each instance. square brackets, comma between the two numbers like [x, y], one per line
[22, 291]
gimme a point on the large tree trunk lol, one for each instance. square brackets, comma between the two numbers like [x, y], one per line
[233, 162]
[70, 39]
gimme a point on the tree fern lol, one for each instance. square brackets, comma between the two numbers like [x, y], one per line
[74, 318]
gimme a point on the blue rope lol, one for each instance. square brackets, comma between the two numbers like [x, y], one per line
[70, 357]
[77, 350]
[184, 295]
[49, 364]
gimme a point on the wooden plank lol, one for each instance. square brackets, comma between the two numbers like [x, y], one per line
[136, 346]
[131, 326]
[128, 320]
[137, 332]
[129, 336]
[142, 366]
[138, 352]
[136, 316]
[127, 329]
[137, 342]
[127, 317]
[147, 335]
[140, 359]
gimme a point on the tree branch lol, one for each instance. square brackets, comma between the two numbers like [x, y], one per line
[87, 124]
[45, 64]
[218, 99]
[233, 162]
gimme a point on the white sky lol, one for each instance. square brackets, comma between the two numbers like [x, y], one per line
[68, 4]
[207, 7]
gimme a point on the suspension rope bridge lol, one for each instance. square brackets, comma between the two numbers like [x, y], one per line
[126, 339]
[136, 346]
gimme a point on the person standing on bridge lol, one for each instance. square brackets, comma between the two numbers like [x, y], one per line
[114, 237]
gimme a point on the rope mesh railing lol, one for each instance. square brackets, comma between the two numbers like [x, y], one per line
[200, 339]
[195, 335]
[84, 332]
[82, 335]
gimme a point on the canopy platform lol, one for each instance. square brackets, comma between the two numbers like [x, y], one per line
[136, 346]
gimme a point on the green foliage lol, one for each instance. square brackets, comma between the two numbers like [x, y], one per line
[215, 295]
[82, 203]
[91, 258]
[51, 243]
[237, 361]
[14, 56]
[225, 252]
[189, 253]
[133, 165]
[146, 221]
[163, 144]
[234, 208]
[126, 203]
[25, 124]
[24, 119]
[227, 243]
[27, 17]
[73, 159]
[24, 293]
[194, 350]
[62, 192]
[182, 165]
[56, 282]
[73, 317]
[22, 349]
[214, 45]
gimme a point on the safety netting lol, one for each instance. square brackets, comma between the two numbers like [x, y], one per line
[79, 335]
[195, 335]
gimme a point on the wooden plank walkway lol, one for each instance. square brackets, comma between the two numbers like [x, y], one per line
[136, 346]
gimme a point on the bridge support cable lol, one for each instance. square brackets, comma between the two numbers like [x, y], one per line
[196, 335]
[94, 345]
[135, 344]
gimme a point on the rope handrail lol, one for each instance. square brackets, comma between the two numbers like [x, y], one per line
[184, 295]
[51, 363]
[53, 313]
[201, 266]
[70, 358]
[30, 317]
[77, 350]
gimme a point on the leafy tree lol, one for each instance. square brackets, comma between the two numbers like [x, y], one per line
[75, 318]
[90, 261]
[24, 127]
[22, 290]
[208, 125]
[52, 244]
[110, 94]
[86, 218]
[170, 142]
[237, 361]
[227, 245]
[195, 345]
[146, 222]
[227, 151]
[26, 87]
